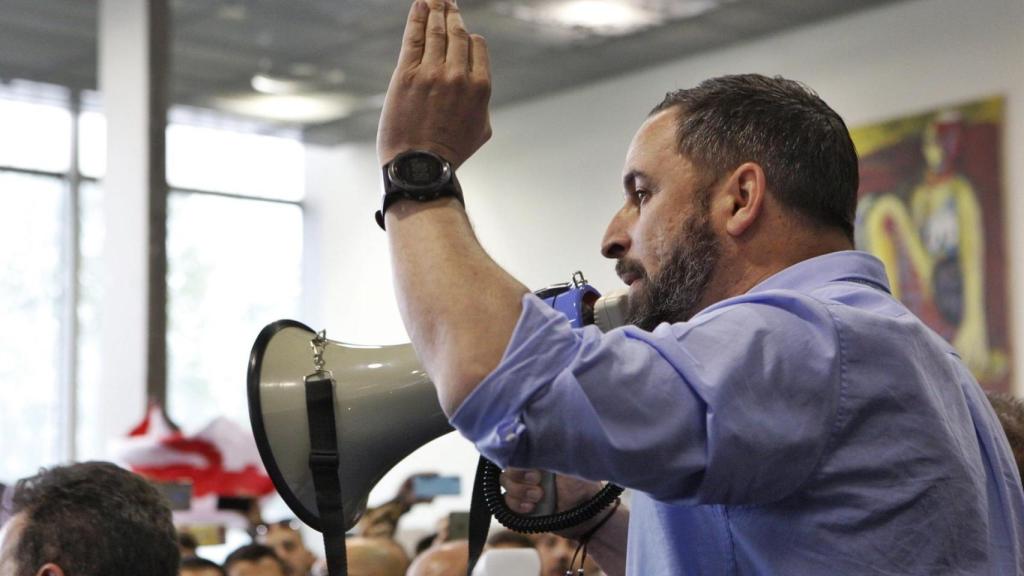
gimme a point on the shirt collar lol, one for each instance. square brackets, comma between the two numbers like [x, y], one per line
[848, 265]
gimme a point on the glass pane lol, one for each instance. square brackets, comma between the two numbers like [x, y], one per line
[92, 144]
[236, 162]
[234, 266]
[89, 444]
[35, 136]
[32, 298]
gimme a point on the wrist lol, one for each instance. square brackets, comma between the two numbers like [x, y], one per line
[420, 176]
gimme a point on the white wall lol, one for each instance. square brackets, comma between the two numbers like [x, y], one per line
[541, 192]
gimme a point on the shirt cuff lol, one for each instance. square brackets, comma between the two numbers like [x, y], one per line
[492, 415]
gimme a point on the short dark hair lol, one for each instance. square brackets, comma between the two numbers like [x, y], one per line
[1010, 412]
[802, 144]
[510, 539]
[197, 563]
[94, 519]
[254, 553]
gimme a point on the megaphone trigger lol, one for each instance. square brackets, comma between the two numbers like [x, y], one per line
[549, 502]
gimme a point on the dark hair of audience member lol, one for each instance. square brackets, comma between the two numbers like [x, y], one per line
[425, 543]
[253, 553]
[196, 563]
[187, 542]
[509, 539]
[1010, 411]
[95, 518]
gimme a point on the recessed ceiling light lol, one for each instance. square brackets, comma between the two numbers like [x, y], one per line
[299, 108]
[606, 17]
[266, 83]
[600, 14]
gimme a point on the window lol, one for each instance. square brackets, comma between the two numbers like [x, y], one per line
[33, 300]
[235, 228]
[234, 266]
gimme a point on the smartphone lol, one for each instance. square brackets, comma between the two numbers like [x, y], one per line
[458, 526]
[431, 486]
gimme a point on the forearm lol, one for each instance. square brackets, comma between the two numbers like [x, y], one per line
[608, 545]
[459, 307]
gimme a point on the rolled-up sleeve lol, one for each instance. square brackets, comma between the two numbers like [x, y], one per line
[734, 407]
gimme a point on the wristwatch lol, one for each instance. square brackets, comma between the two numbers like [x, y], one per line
[417, 175]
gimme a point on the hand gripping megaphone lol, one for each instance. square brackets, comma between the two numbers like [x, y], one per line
[331, 419]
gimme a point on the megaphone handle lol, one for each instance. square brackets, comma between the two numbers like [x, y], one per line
[549, 503]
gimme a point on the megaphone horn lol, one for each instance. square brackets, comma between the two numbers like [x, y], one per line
[385, 403]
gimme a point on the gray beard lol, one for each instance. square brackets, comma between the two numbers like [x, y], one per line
[674, 294]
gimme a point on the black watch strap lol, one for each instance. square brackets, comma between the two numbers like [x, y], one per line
[395, 191]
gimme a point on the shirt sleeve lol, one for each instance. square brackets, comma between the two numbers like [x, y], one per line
[734, 407]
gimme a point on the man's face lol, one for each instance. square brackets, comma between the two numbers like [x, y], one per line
[261, 567]
[9, 535]
[555, 554]
[288, 546]
[662, 237]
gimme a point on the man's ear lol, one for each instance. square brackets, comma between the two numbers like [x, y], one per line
[50, 569]
[745, 192]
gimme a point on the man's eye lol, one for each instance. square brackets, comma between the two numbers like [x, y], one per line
[641, 196]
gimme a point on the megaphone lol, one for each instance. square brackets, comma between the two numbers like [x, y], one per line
[385, 408]
[382, 407]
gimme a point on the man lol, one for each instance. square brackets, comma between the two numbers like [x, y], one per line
[195, 566]
[286, 541]
[557, 555]
[255, 560]
[88, 519]
[447, 559]
[375, 556]
[1010, 412]
[774, 408]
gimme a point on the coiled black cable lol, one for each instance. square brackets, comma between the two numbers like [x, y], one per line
[488, 477]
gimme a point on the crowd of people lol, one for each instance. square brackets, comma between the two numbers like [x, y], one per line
[96, 518]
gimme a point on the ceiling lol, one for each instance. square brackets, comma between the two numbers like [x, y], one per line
[342, 51]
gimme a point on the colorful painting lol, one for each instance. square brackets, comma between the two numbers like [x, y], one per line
[932, 209]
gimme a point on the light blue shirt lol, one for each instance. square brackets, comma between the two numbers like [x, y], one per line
[810, 426]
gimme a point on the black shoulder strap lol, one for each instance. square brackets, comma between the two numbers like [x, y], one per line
[323, 461]
[479, 519]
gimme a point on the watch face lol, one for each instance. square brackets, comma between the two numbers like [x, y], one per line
[419, 170]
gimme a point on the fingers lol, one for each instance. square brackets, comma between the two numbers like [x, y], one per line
[414, 39]
[522, 490]
[480, 62]
[457, 58]
[436, 33]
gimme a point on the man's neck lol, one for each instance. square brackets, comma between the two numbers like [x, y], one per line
[751, 267]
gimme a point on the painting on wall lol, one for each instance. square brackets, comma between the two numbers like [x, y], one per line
[932, 209]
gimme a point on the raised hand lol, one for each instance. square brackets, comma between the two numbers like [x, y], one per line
[439, 93]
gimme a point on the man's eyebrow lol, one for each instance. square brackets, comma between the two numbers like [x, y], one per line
[629, 180]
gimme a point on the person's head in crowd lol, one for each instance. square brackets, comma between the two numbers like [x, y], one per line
[1010, 411]
[286, 540]
[447, 559]
[187, 544]
[375, 557]
[425, 543]
[6, 492]
[195, 566]
[556, 555]
[509, 539]
[88, 519]
[255, 560]
[724, 152]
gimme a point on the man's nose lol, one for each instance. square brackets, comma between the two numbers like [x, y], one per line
[616, 241]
